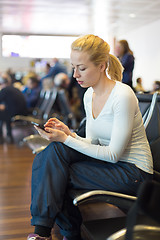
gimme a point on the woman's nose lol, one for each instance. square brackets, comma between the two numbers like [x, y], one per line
[76, 73]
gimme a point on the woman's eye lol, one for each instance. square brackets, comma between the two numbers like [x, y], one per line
[82, 69]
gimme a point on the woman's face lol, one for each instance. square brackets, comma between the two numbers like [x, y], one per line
[86, 72]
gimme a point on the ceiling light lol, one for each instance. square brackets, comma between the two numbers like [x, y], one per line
[132, 15]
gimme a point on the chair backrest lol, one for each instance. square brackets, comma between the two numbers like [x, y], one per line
[39, 103]
[150, 108]
[49, 103]
[39, 110]
[153, 126]
[144, 102]
[65, 110]
[147, 203]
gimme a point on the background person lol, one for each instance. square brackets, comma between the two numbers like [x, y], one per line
[126, 57]
[57, 68]
[156, 87]
[114, 155]
[12, 102]
[31, 92]
[139, 86]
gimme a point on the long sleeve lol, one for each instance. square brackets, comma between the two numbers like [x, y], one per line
[123, 111]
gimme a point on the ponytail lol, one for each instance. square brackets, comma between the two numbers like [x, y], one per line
[98, 51]
[115, 68]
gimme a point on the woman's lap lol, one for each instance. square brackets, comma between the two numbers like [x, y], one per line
[59, 168]
[89, 173]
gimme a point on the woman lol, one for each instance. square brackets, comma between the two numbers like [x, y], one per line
[126, 57]
[114, 156]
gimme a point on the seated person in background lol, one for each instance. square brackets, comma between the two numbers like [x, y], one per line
[31, 92]
[62, 80]
[139, 87]
[47, 84]
[57, 68]
[30, 74]
[12, 102]
[114, 155]
[156, 86]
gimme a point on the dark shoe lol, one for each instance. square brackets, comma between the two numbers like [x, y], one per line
[37, 237]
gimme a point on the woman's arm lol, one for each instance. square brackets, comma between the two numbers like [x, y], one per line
[124, 112]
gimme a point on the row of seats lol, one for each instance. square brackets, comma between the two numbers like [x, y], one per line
[101, 229]
[52, 103]
[97, 229]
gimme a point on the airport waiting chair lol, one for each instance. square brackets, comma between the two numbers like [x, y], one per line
[144, 214]
[63, 112]
[40, 114]
[151, 118]
[146, 211]
[124, 202]
[22, 126]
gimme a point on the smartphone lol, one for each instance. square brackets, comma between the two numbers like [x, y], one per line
[38, 125]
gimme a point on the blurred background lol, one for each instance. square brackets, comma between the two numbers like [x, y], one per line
[34, 31]
[36, 82]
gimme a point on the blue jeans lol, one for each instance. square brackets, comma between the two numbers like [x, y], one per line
[59, 168]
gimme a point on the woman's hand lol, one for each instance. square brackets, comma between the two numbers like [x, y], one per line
[54, 123]
[51, 134]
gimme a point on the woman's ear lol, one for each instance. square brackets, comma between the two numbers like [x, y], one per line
[102, 67]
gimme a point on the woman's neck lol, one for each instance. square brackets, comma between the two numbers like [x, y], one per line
[104, 84]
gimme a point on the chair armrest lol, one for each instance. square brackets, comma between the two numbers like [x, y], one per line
[31, 137]
[120, 200]
[36, 151]
[36, 143]
[26, 119]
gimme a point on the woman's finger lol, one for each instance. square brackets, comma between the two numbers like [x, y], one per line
[50, 124]
[53, 120]
[49, 130]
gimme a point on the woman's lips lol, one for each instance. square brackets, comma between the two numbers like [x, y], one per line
[80, 82]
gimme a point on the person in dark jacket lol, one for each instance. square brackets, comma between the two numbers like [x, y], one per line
[57, 68]
[12, 102]
[126, 57]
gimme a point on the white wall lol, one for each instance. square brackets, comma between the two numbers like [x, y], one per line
[17, 64]
[145, 43]
[21, 64]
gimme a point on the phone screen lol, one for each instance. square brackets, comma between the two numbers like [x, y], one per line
[38, 125]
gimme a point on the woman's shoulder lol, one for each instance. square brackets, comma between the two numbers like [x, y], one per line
[124, 92]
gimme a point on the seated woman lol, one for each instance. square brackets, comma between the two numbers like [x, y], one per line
[114, 156]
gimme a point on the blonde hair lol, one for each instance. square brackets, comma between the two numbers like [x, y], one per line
[99, 50]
